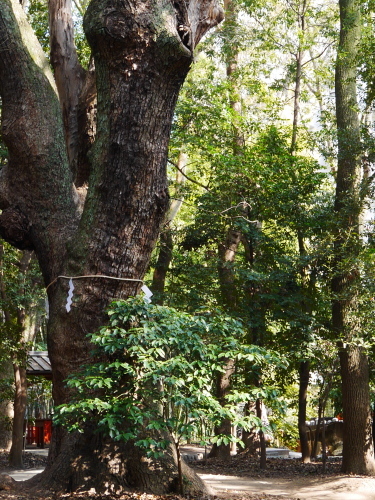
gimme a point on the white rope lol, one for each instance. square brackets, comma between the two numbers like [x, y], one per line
[93, 276]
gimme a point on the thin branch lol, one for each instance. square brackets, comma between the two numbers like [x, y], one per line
[278, 44]
[79, 7]
[242, 204]
[220, 213]
[317, 56]
[291, 6]
[187, 177]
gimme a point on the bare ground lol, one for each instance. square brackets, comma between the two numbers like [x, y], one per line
[240, 479]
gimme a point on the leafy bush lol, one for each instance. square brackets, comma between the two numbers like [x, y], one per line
[156, 383]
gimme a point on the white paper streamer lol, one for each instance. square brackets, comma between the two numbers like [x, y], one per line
[70, 296]
[147, 292]
[47, 307]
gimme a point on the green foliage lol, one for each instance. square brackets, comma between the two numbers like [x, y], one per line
[37, 13]
[6, 389]
[38, 18]
[82, 47]
[22, 299]
[159, 378]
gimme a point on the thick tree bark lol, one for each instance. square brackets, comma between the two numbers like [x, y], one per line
[358, 453]
[142, 53]
[36, 192]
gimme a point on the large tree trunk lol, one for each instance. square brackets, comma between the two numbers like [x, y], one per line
[358, 453]
[142, 52]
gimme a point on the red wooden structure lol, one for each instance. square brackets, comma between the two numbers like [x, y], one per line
[38, 433]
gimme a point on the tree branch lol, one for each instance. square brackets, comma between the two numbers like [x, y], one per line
[187, 177]
[69, 74]
[318, 55]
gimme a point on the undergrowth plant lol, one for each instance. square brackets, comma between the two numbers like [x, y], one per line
[160, 377]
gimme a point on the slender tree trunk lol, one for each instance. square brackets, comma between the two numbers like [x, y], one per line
[20, 402]
[180, 475]
[304, 366]
[324, 451]
[228, 248]
[262, 440]
[227, 253]
[304, 375]
[223, 386]
[314, 452]
[162, 265]
[17, 314]
[166, 240]
[305, 305]
[358, 453]
[253, 440]
[6, 406]
[298, 78]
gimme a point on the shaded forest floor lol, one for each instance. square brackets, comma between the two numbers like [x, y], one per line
[239, 479]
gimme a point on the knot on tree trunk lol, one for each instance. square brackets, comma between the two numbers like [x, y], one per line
[15, 228]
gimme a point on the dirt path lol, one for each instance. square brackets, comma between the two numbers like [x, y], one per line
[316, 488]
[242, 479]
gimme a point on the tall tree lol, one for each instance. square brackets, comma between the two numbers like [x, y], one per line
[358, 452]
[101, 241]
[21, 307]
[166, 237]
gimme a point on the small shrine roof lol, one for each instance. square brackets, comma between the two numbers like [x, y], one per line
[38, 363]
